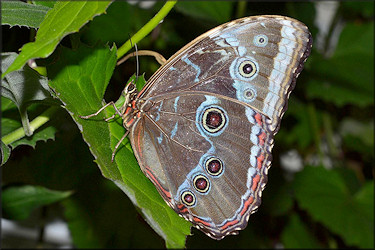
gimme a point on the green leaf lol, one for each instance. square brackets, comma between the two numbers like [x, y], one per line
[80, 78]
[9, 125]
[348, 76]
[41, 135]
[216, 11]
[22, 14]
[91, 229]
[106, 27]
[63, 19]
[7, 104]
[12, 132]
[324, 194]
[49, 4]
[5, 153]
[80, 226]
[360, 8]
[300, 131]
[297, 235]
[18, 202]
[24, 87]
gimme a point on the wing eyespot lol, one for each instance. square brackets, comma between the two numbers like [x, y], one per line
[214, 166]
[214, 120]
[201, 184]
[260, 40]
[247, 69]
[188, 198]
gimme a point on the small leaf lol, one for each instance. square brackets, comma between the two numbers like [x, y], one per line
[63, 19]
[24, 87]
[22, 14]
[324, 194]
[7, 104]
[5, 153]
[9, 125]
[18, 202]
[41, 135]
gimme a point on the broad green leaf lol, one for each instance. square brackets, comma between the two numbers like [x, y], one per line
[325, 196]
[216, 11]
[348, 76]
[17, 13]
[19, 201]
[24, 87]
[112, 27]
[64, 18]
[297, 235]
[80, 78]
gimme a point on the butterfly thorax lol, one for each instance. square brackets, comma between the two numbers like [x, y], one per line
[133, 107]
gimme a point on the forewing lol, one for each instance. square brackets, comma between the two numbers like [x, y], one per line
[278, 47]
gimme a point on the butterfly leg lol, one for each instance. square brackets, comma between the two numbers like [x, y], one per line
[118, 112]
[101, 109]
[118, 144]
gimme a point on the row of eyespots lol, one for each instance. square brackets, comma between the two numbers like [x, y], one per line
[214, 167]
[245, 69]
[248, 67]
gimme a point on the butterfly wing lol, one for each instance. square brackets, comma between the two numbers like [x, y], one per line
[223, 172]
[275, 48]
[209, 116]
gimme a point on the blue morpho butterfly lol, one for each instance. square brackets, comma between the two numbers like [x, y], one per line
[202, 128]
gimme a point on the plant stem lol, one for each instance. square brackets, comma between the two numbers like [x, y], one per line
[315, 130]
[146, 29]
[329, 134]
[34, 124]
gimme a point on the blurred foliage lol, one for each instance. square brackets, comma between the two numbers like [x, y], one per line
[327, 203]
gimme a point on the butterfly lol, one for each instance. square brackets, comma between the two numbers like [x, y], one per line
[203, 126]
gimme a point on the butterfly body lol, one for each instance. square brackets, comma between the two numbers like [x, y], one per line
[202, 128]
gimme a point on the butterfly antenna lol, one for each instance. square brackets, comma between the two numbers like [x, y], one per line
[136, 55]
[137, 62]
